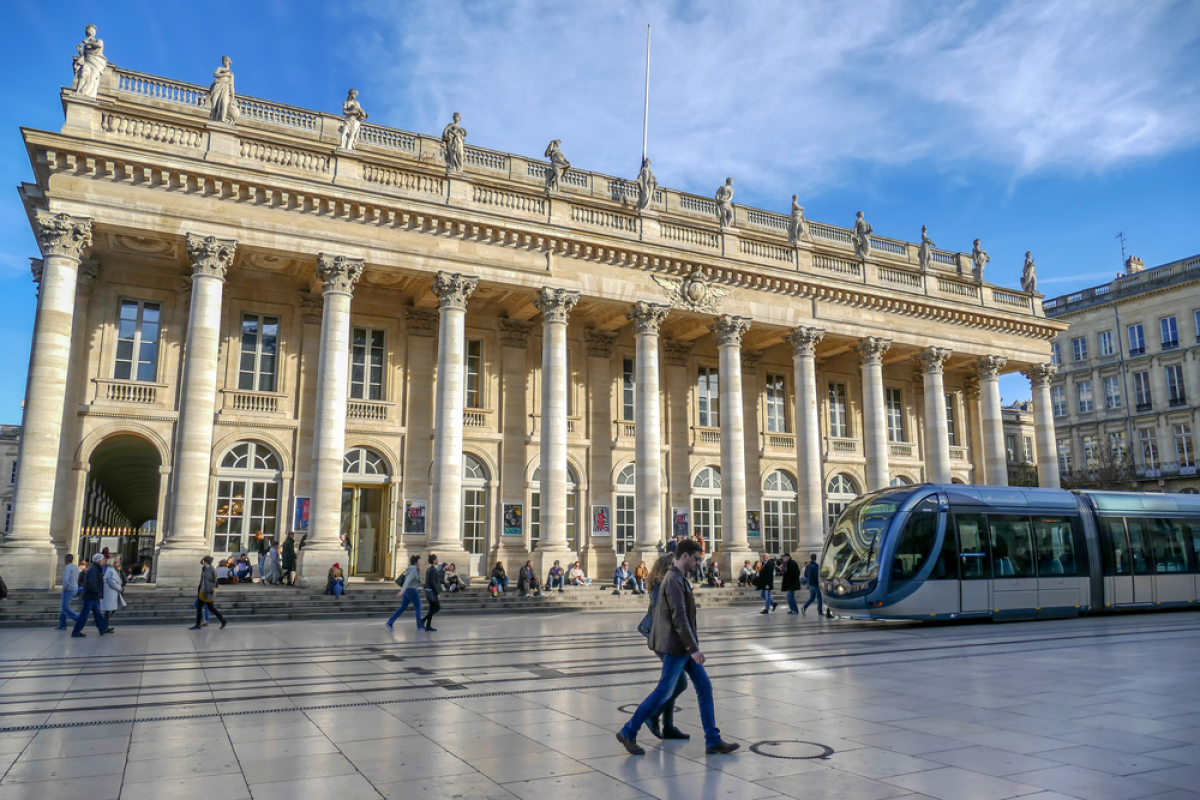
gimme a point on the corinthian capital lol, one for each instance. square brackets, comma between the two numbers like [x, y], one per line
[599, 343]
[988, 368]
[647, 317]
[1040, 374]
[932, 359]
[89, 271]
[210, 256]
[871, 349]
[729, 329]
[453, 290]
[62, 234]
[556, 304]
[338, 273]
[514, 333]
[804, 340]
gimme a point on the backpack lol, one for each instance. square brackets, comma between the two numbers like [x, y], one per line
[648, 621]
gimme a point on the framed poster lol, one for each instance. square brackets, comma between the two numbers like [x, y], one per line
[414, 516]
[300, 518]
[679, 522]
[601, 521]
[513, 516]
[754, 524]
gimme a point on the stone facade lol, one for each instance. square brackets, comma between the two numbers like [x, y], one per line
[10, 439]
[1020, 443]
[277, 333]
[1126, 396]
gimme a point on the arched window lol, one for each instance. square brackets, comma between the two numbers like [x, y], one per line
[535, 509]
[781, 524]
[364, 462]
[623, 515]
[900, 480]
[838, 494]
[475, 504]
[706, 507]
[247, 497]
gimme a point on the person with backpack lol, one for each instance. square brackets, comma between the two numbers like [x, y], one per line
[791, 582]
[206, 592]
[408, 593]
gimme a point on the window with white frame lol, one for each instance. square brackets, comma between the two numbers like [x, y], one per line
[1169, 331]
[1112, 392]
[1137, 340]
[1058, 400]
[535, 509]
[1079, 348]
[1176, 393]
[1184, 452]
[260, 352]
[1117, 447]
[841, 492]
[894, 400]
[1055, 353]
[1105, 343]
[1141, 391]
[137, 341]
[781, 523]
[623, 515]
[776, 403]
[1027, 449]
[1091, 453]
[951, 421]
[1010, 447]
[247, 501]
[838, 427]
[1064, 455]
[1149, 440]
[708, 398]
[364, 462]
[474, 374]
[1083, 396]
[367, 356]
[1196, 319]
[474, 504]
[706, 507]
[628, 397]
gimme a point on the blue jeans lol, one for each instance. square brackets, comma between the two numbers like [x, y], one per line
[500, 583]
[765, 594]
[639, 585]
[411, 597]
[196, 605]
[556, 583]
[673, 666]
[792, 607]
[814, 593]
[90, 607]
[64, 611]
[262, 557]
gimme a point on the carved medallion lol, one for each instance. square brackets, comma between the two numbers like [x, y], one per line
[693, 293]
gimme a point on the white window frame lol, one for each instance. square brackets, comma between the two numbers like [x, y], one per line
[259, 379]
[1055, 353]
[1112, 393]
[474, 504]
[1176, 388]
[839, 410]
[1079, 348]
[1058, 400]
[781, 520]
[1137, 339]
[1064, 455]
[1185, 454]
[628, 389]
[706, 507]
[776, 403]
[1143, 398]
[367, 387]
[1148, 437]
[708, 397]
[473, 389]
[1083, 397]
[893, 400]
[136, 344]
[258, 470]
[840, 491]
[625, 511]
[1104, 343]
[951, 420]
[1168, 331]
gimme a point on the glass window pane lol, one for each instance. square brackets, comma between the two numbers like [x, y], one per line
[974, 552]
[1139, 535]
[915, 544]
[1115, 550]
[1170, 551]
[1055, 546]
[1012, 551]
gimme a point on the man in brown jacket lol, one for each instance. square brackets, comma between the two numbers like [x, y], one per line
[673, 636]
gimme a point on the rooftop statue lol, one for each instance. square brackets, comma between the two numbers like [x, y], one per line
[222, 99]
[453, 149]
[925, 250]
[862, 237]
[979, 258]
[354, 117]
[797, 230]
[1029, 274]
[558, 167]
[646, 186]
[89, 65]
[725, 204]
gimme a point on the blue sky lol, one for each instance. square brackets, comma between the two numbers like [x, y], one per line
[1031, 124]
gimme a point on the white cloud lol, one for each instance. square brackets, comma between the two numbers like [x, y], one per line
[785, 96]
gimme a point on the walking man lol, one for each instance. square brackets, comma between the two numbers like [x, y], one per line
[433, 590]
[93, 592]
[791, 582]
[70, 588]
[812, 574]
[673, 636]
[289, 559]
[765, 583]
[409, 594]
[206, 592]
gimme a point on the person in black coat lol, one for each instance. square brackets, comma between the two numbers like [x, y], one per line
[93, 591]
[765, 583]
[289, 559]
[433, 590]
[791, 582]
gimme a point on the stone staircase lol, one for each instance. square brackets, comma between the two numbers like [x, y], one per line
[150, 605]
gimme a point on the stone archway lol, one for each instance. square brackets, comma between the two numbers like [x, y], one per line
[121, 500]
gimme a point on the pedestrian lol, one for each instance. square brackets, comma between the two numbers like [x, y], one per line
[206, 592]
[812, 575]
[93, 592]
[113, 598]
[263, 545]
[70, 588]
[289, 559]
[271, 576]
[408, 593]
[662, 722]
[673, 635]
[791, 582]
[765, 583]
[433, 589]
[671, 545]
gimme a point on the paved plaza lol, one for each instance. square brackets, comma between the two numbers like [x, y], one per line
[526, 706]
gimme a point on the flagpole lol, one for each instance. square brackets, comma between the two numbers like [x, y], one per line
[646, 108]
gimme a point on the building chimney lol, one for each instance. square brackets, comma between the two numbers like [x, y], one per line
[1133, 264]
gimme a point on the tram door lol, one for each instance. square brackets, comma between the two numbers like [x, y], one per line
[1127, 571]
[1140, 555]
[1014, 576]
[976, 561]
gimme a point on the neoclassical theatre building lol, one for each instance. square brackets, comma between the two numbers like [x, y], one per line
[255, 317]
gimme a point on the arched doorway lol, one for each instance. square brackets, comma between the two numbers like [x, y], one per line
[366, 511]
[535, 510]
[248, 487]
[475, 479]
[781, 524]
[840, 492]
[120, 502]
[623, 519]
[706, 507]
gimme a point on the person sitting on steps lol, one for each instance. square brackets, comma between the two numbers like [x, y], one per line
[499, 581]
[527, 582]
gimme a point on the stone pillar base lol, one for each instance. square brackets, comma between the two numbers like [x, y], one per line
[598, 562]
[633, 557]
[177, 566]
[461, 559]
[314, 561]
[543, 560]
[731, 563]
[29, 566]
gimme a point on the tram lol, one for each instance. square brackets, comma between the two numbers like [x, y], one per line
[943, 551]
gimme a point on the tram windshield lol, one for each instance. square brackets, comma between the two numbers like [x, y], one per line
[852, 554]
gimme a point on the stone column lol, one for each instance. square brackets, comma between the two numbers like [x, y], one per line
[1043, 424]
[323, 546]
[599, 554]
[28, 555]
[995, 461]
[875, 445]
[514, 417]
[808, 438]
[555, 305]
[648, 516]
[735, 547]
[973, 426]
[186, 539]
[453, 290]
[937, 436]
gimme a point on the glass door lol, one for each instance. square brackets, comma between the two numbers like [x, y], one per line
[363, 525]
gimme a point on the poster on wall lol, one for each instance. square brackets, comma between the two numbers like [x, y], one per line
[601, 521]
[754, 524]
[513, 514]
[414, 516]
[300, 518]
[679, 522]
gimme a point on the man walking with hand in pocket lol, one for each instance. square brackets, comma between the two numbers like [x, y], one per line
[673, 636]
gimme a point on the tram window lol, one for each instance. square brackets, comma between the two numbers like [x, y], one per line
[1114, 547]
[1193, 525]
[1055, 546]
[1139, 535]
[1170, 553]
[916, 543]
[947, 566]
[1012, 551]
[973, 547]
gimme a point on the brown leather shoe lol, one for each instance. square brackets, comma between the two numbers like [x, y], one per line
[631, 745]
[723, 747]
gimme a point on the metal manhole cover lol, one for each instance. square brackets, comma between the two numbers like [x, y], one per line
[629, 708]
[791, 748]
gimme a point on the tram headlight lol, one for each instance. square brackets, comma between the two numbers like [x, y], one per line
[841, 589]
